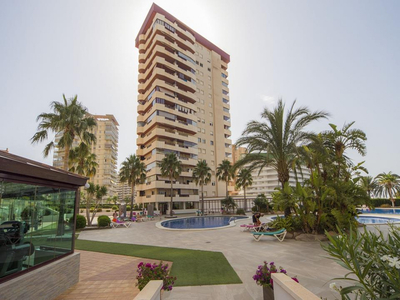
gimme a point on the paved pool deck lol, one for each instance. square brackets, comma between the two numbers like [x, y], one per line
[306, 260]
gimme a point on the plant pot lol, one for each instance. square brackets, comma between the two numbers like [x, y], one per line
[268, 293]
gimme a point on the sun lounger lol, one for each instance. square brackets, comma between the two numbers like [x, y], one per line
[120, 223]
[279, 234]
[254, 228]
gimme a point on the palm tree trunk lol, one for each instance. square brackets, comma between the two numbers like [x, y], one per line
[87, 209]
[132, 195]
[170, 206]
[202, 200]
[66, 157]
[245, 202]
[226, 188]
[391, 197]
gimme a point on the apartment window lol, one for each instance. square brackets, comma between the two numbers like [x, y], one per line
[198, 90]
[201, 55]
[201, 82]
[204, 151]
[204, 141]
[225, 109]
[225, 100]
[203, 130]
[203, 121]
[199, 140]
[208, 61]
[209, 77]
[202, 92]
[209, 70]
[211, 124]
[197, 62]
[212, 162]
[212, 143]
[200, 149]
[210, 104]
[202, 111]
[197, 53]
[224, 84]
[225, 92]
[209, 96]
[212, 153]
[213, 183]
[201, 101]
[201, 73]
[198, 109]
[211, 133]
[209, 86]
[223, 75]
[211, 114]
[198, 129]
[201, 64]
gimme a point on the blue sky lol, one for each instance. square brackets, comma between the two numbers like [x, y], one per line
[339, 56]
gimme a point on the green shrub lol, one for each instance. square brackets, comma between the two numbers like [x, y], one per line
[128, 208]
[385, 205]
[103, 221]
[81, 211]
[99, 209]
[282, 222]
[254, 209]
[80, 222]
[370, 258]
[108, 210]
[115, 207]
[91, 209]
[240, 211]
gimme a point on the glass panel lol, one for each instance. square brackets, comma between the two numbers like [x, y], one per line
[34, 225]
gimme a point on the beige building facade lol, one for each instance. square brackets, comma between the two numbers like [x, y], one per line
[183, 107]
[105, 149]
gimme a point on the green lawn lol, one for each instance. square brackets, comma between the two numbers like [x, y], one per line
[191, 267]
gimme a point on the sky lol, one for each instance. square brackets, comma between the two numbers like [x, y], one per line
[342, 57]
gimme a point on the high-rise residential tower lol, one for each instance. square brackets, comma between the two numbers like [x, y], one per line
[105, 149]
[183, 107]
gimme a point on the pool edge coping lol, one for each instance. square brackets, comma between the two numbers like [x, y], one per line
[231, 224]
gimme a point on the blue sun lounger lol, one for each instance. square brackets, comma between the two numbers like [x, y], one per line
[280, 234]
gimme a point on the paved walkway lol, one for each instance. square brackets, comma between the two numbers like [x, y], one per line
[305, 259]
[105, 276]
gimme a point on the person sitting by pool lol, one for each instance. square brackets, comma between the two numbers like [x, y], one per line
[256, 219]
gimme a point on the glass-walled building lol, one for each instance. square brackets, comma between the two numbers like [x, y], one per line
[38, 205]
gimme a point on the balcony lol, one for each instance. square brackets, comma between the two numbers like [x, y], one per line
[172, 134]
[162, 198]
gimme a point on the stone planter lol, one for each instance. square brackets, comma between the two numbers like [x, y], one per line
[268, 293]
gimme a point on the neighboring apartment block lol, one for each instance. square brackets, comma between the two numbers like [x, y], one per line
[106, 150]
[266, 181]
[183, 107]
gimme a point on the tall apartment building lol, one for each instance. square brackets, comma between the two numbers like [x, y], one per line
[183, 107]
[106, 150]
[123, 190]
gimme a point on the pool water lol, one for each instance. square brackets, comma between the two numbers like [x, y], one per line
[376, 220]
[395, 211]
[199, 222]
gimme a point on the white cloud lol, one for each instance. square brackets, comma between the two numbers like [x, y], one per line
[269, 100]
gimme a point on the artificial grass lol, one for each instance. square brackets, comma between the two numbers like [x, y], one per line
[191, 267]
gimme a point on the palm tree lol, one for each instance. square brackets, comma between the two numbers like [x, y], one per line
[338, 141]
[82, 161]
[98, 192]
[368, 184]
[70, 119]
[244, 180]
[171, 167]
[132, 171]
[225, 172]
[388, 185]
[202, 176]
[275, 143]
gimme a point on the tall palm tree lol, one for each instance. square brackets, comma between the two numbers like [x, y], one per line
[69, 118]
[244, 180]
[275, 143]
[225, 172]
[132, 171]
[202, 176]
[388, 185]
[171, 167]
[82, 161]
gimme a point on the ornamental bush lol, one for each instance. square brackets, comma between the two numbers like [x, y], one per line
[128, 208]
[80, 222]
[147, 272]
[372, 261]
[115, 207]
[103, 221]
[240, 211]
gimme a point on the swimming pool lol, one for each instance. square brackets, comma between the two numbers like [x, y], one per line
[209, 222]
[392, 211]
[376, 220]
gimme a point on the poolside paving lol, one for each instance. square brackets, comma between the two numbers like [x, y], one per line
[307, 260]
[105, 276]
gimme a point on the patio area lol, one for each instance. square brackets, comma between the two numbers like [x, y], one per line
[306, 260]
